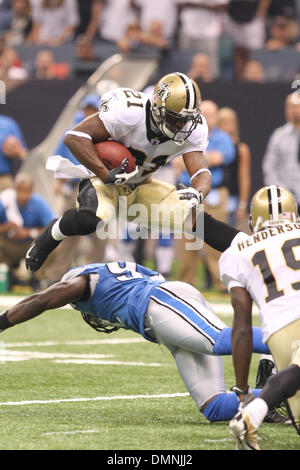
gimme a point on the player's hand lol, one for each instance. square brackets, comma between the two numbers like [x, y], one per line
[193, 197]
[119, 176]
[244, 396]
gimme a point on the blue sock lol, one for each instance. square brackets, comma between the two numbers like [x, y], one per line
[223, 346]
[224, 406]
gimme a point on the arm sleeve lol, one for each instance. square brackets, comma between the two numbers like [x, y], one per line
[217, 234]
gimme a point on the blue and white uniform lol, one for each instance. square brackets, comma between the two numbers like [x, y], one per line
[171, 313]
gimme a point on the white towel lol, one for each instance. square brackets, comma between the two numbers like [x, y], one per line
[63, 168]
[8, 198]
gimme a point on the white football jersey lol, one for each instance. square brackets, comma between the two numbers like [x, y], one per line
[267, 264]
[125, 114]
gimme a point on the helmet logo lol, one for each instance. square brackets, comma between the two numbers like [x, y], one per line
[163, 92]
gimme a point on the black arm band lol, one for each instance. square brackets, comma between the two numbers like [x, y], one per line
[4, 323]
[217, 234]
[111, 178]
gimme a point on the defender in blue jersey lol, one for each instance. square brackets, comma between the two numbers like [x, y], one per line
[126, 295]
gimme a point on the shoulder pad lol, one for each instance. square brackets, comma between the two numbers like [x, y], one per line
[124, 105]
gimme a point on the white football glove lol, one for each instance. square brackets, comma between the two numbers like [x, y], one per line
[193, 197]
[119, 176]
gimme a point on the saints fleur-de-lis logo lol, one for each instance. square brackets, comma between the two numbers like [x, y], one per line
[163, 91]
[104, 105]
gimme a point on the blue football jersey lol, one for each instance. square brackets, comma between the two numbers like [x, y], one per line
[120, 292]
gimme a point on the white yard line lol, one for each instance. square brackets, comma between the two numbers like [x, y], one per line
[72, 400]
[111, 363]
[75, 343]
[83, 431]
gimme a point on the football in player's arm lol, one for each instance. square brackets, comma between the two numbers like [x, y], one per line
[155, 129]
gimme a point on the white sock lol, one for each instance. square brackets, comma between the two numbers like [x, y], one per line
[56, 233]
[257, 410]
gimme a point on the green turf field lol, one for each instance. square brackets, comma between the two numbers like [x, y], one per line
[65, 386]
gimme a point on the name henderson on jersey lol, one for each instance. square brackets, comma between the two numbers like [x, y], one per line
[267, 233]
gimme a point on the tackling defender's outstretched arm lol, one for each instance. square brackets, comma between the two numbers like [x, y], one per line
[241, 335]
[80, 140]
[57, 295]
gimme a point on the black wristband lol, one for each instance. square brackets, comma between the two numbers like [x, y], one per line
[239, 391]
[111, 178]
[4, 323]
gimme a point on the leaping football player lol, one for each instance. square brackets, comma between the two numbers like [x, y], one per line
[155, 129]
[265, 267]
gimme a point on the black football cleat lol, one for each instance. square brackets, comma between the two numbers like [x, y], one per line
[41, 248]
[266, 369]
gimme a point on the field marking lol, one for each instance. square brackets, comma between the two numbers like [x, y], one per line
[225, 439]
[89, 342]
[72, 400]
[83, 431]
[14, 356]
[113, 363]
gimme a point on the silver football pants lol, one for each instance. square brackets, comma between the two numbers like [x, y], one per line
[179, 317]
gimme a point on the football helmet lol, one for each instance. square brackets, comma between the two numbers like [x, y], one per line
[175, 106]
[272, 205]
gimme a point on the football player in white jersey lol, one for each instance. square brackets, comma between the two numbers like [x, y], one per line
[265, 267]
[155, 129]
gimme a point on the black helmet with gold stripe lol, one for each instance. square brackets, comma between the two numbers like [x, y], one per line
[175, 106]
[272, 205]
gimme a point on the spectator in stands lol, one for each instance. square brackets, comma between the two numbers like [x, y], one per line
[84, 10]
[281, 162]
[85, 62]
[201, 28]
[245, 23]
[156, 25]
[238, 173]
[5, 14]
[279, 34]
[253, 72]
[200, 68]
[21, 23]
[54, 21]
[220, 153]
[46, 68]
[23, 214]
[288, 8]
[110, 20]
[84, 49]
[10, 63]
[12, 149]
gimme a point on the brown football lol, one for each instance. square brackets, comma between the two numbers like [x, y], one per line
[112, 154]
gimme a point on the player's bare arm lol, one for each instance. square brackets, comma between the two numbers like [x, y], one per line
[241, 335]
[55, 296]
[80, 141]
[200, 180]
